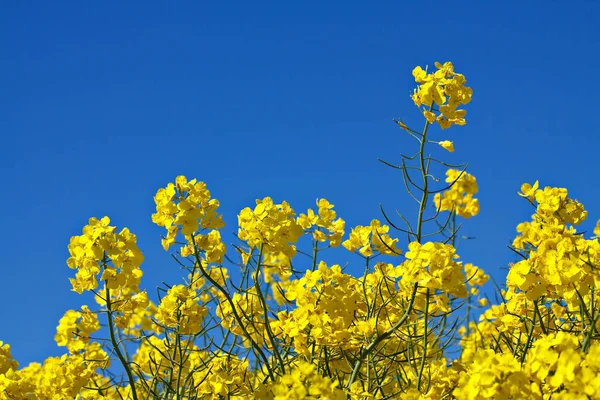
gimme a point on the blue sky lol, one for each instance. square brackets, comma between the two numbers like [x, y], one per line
[103, 103]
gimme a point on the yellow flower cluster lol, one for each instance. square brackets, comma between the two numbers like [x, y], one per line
[494, 376]
[271, 225]
[74, 329]
[212, 376]
[324, 224]
[559, 262]
[6, 360]
[248, 305]
[134, 314]
[542, 341]
[304, 382]
[368, 239]
[274, 229]
[459, 197]
[101, 249]
[476, 277]
[334, 315]
[432, 265]
[230, 378]
[65, 377]
[180, 309]
[445, 89]
[186, 206]
[555, 367]
[327, 301]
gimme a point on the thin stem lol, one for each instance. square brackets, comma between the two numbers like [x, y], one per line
[236, 316]
[425, 194]
[113, 340]
[370, 348]
[266, 311]
[425, 334]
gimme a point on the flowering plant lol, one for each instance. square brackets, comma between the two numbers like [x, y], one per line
[263, 318]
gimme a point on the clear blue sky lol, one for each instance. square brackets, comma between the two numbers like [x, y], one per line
[102, 103]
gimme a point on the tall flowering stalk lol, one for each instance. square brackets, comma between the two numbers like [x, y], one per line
[437, 95]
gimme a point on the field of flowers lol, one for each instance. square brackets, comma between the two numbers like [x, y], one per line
[267, 317]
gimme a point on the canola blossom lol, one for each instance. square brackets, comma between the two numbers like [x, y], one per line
[266, 314]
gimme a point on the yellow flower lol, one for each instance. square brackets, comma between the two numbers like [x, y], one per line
[445, 89]
[429, 116]
[528, 191]
[459, 197]
[304, 382]
[432, 265]
[181, 308]
[187, 208]
[101, 245]
[6, 360]
[324, 220]
[375, 237]
[447, 145]
[597, 229]
[273, 226]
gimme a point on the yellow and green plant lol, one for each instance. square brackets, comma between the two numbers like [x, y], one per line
[267, 317]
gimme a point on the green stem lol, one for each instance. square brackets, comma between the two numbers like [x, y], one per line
[425, 195]
[369, 349]
[115, 344]
[425, 334]
[266, 311]
[590, 334]
[236, 316]
[314, 260]
[529, 339]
